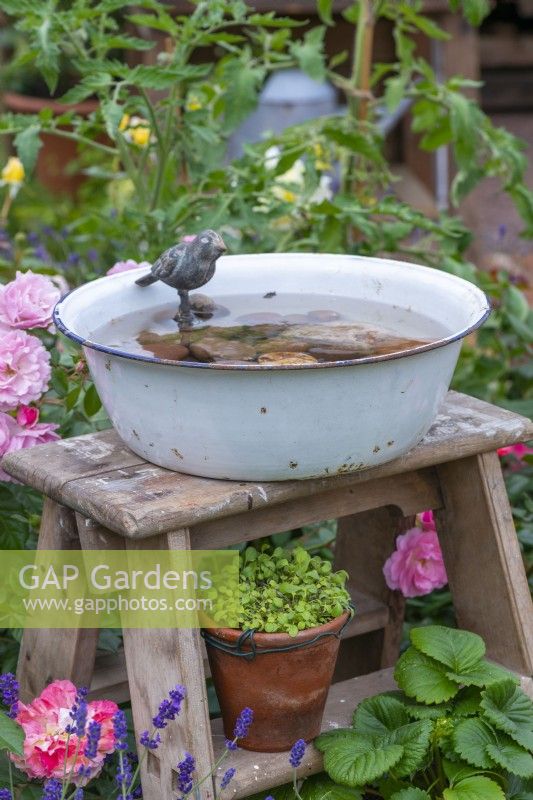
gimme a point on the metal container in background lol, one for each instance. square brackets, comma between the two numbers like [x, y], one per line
[288, 98]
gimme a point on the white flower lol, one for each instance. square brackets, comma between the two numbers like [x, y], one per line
[323, 190]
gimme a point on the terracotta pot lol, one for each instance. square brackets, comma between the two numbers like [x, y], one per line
[286, 690]
[56, 152]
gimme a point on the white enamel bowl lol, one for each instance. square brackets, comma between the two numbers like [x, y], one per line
[259, 422]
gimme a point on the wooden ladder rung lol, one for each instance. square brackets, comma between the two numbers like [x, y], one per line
[110, 680]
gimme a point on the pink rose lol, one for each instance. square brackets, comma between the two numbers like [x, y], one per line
[28, 301]
[47, 744]
[26, 431]
[24, 369]
[125, 266]
[416, 567]
[517, 451]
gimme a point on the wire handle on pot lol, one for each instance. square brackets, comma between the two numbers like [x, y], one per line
[247, 638]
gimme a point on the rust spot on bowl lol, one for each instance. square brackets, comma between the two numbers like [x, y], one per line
[376, 449]
[263, 410]
[135, 433]
[176, 452]
[293, 464]
[389, 444]
[107, 364]
[347, 468]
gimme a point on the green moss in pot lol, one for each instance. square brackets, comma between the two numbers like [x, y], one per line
[296, 606]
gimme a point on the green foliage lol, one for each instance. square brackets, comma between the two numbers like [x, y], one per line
[286, 591]
[410, 746]
[11, 735]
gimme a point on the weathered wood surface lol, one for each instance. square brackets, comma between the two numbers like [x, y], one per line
[409, 491]
[98, 476]
[483, 561]
[156, 660]
[46, 655]
[372, 533]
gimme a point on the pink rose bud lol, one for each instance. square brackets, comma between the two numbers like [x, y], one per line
[427, 521]
[416, 567]
[27, 416]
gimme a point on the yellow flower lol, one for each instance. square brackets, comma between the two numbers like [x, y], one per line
[13, 172]
[284, 194]
[140, 136]
[321, 165]
[193, 104]
[124, 122]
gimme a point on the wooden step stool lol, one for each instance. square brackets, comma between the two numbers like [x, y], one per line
[96, 488]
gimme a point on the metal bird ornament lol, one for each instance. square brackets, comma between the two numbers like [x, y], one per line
[187, 266]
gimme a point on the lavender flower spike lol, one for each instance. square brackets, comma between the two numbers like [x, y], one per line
[170, 707]
[226, 778]
[5, 794]
[9, 693]
[297, 753]
[185, 771]
[151, 743]
[242, 725]
[78, 712]
[120, 727]
[94, 732]
[52, 790]
[124, 777]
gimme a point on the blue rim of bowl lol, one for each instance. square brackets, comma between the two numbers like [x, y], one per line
[351, 362]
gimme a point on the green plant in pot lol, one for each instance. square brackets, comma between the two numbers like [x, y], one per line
[460, 728]
[279, 661]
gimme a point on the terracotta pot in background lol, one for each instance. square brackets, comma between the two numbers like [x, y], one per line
[56, 152]
[286, 689]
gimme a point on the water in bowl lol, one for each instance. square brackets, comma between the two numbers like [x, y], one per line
[271, 329]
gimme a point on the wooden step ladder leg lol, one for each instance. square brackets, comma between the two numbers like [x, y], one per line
[364, 541]
[483, 560]
[50, 654]
[156, 660]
